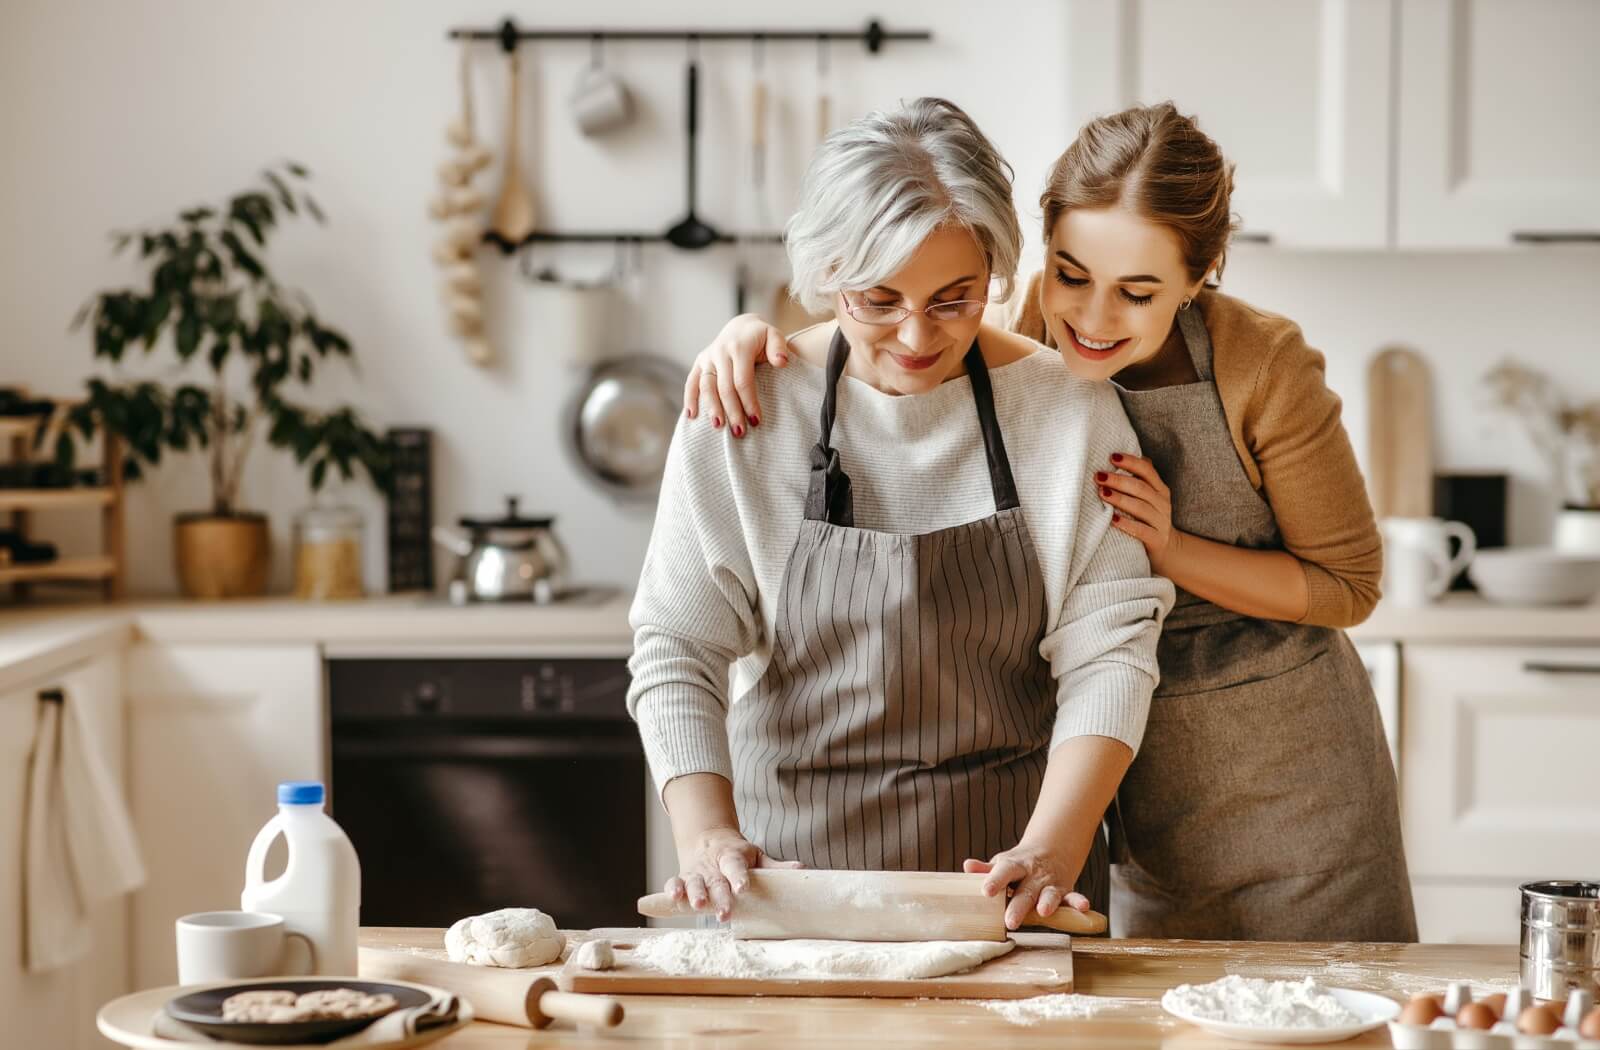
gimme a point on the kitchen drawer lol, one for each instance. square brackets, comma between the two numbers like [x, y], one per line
[1500, 761]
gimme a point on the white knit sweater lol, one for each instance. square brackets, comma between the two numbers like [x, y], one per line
[730, 511]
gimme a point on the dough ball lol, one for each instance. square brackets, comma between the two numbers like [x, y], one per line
[510, 937]
[595, 955]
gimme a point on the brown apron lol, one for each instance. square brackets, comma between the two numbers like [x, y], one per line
[904, 721]
[1262, 804]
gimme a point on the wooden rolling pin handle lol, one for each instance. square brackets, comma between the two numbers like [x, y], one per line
[1070, 920]
[663, 906]
[602, 1011]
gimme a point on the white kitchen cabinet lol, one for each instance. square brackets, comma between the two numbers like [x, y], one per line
[214, 729]
[1498, 135]
[1297, 95]
[56, 1009]
[1499, 778]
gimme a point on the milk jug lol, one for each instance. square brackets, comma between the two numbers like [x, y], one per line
[319, 892]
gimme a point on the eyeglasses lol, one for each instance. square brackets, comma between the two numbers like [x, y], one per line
[955, 310]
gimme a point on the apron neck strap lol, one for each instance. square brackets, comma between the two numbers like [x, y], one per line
[1001, 482]
[829, 498]
[1196, 339]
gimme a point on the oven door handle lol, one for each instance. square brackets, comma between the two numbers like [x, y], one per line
[445, 746]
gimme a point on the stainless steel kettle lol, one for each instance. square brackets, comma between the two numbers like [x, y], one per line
[511, 558]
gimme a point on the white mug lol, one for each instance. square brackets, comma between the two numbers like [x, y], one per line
[237, 946]
[600, 101]
[1417, 563]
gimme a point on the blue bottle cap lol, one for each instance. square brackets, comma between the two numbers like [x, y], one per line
[300, 793]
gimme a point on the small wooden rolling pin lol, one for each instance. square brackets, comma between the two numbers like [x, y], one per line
[502, 996]
[872, 906]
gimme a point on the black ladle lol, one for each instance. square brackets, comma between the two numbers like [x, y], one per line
[690, 233]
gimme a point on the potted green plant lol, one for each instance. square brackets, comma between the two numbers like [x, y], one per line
[241, 346]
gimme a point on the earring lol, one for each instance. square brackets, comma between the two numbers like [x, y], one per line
[1185, 304]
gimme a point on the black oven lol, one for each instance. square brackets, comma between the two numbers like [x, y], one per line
[474, 784]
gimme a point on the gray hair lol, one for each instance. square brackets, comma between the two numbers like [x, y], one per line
[877, 187]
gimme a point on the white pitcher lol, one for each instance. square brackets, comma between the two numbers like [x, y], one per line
[1417, 563]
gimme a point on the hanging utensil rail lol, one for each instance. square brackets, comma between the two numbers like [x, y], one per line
[873, 37]
[509, 35]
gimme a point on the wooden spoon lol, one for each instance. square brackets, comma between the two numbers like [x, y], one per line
[513, 217]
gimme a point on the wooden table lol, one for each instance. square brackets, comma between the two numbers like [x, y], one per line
[1124, 977]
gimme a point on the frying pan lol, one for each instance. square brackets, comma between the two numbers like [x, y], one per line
[621, 420]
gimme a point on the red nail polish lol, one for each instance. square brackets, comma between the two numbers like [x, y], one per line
[738, 431]
[1115, 518]
[1100, 476]
[716, 421]
[755, 421]
[1105, 492]
[1116, 457]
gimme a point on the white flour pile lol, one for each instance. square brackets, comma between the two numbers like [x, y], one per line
[1384, 977]
[1260, 1004]
[715, 953]
[1056, 1007]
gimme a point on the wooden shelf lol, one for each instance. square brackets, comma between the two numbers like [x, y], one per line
[94, 567]
[17, 507]
[54, 499]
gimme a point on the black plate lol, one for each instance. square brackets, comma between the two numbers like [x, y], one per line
[203, 1010]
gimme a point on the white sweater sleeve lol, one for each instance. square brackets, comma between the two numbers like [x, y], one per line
[1102, 648]
[695, 612]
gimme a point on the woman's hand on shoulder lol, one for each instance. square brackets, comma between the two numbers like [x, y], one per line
[722, 382]
[714, 868]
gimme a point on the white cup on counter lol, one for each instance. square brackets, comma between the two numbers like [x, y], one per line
[238, 946]
[1417, 562]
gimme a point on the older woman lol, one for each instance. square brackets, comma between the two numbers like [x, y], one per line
[917, 685]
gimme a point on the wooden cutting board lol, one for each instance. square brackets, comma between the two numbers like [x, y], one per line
[1041, 964]
[1400, 434]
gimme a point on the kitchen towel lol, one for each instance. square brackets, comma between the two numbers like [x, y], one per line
[78, 843]
[440, 1011]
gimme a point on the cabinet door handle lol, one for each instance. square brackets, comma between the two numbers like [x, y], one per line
[52, 696]
[1541, 667]
[1252, 237]
[1555, 237]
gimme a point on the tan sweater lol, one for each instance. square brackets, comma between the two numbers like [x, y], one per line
[1285, 425]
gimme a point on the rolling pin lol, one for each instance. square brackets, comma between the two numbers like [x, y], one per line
[871, 906]
[502, 996]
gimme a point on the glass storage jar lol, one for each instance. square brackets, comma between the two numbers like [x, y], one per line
[327, 552]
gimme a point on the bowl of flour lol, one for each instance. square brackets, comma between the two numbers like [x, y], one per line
[1263, 1011]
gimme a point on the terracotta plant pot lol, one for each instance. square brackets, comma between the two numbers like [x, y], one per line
[222, 557]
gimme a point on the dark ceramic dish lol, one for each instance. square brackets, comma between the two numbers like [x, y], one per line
[203, 1010]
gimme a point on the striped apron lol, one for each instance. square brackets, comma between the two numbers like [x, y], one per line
[904, 720]
[1262, 804]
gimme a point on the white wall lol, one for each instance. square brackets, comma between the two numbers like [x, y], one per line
[118, 114]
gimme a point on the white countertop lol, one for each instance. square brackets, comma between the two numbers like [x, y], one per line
[1465, 618]
[36, 640]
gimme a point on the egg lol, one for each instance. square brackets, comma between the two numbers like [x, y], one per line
[1421, 1010]
[1538, 1020]
[1590, 1028]
[1495, 1002]
[1476, 1015]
